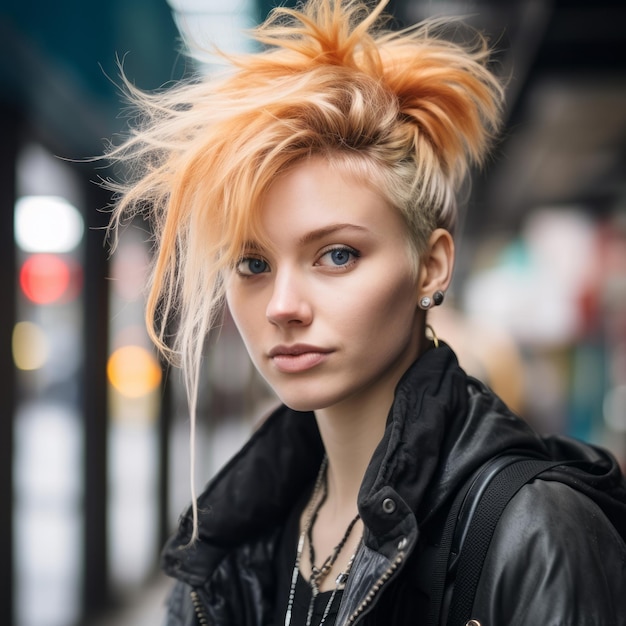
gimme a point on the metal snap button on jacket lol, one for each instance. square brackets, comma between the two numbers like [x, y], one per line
[389, 506]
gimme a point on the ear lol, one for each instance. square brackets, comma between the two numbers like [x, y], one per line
[436, 264]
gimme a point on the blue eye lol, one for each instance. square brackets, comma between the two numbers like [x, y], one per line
[252, 266]
[338, 257]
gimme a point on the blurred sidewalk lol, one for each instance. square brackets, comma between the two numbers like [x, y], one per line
[146, 609]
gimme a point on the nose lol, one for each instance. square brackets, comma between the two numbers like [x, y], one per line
[289, 304]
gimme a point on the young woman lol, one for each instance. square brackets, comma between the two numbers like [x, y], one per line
[313, 191]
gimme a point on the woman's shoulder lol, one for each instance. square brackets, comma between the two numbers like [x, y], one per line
[551, 514]
[555, 558]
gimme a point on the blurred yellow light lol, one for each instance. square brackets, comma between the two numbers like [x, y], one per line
[133, 371]
[30, 346]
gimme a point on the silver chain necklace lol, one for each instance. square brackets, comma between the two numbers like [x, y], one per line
[318, 574]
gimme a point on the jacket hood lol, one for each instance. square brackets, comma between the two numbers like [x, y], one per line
[593, 471]
[442, 426]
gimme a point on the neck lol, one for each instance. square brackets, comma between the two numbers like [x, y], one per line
[350, 435]
[350, 438]
[352, 429]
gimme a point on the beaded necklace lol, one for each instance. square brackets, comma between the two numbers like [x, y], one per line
[318, 574]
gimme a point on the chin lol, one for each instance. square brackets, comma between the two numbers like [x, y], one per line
[299, 404]
[304, 402]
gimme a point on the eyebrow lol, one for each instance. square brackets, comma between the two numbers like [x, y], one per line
[320, 233]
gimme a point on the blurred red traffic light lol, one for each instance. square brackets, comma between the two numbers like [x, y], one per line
[48, 278]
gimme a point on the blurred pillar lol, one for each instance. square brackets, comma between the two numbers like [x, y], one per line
[96, 583]
[165, 421]
[9, 125]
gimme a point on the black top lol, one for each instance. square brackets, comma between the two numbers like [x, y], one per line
[285, 561]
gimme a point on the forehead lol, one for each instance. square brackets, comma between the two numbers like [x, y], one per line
[318, 194]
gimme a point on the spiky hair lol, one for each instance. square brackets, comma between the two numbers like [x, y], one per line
[408, 110]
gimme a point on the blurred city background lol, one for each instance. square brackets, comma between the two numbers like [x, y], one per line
[94, 431]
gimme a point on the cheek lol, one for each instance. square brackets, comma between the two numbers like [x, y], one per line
[247, 327]
[231, 305]
[384, 303]
[240, 311]
[384, 322]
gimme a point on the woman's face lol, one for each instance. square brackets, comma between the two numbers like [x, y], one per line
[329, 311]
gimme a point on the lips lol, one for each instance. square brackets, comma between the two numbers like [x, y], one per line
[298, 357]
[296, 350]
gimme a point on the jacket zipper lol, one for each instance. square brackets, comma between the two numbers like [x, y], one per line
[375, 589]
[203, 618]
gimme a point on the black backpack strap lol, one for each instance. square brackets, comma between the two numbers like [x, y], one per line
[440, 568]
[486, 493]
[497, 494]
[454, 529]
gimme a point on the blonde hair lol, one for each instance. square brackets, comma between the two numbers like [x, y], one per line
[409, 110]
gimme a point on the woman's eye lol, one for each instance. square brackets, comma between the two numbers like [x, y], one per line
[338, 257]
[252, 266]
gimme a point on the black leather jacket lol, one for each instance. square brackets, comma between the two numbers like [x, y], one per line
[554, 559]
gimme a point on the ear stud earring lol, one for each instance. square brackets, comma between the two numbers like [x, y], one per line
[426, 301]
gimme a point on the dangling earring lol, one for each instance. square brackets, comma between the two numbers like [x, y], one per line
[438, 297]
[425, 302]
[434, 337]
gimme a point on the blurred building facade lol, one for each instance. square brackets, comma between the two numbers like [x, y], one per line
[94, 431]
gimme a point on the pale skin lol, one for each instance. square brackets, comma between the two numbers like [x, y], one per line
[329, 314]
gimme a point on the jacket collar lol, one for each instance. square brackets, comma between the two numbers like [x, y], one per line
[440, 428]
